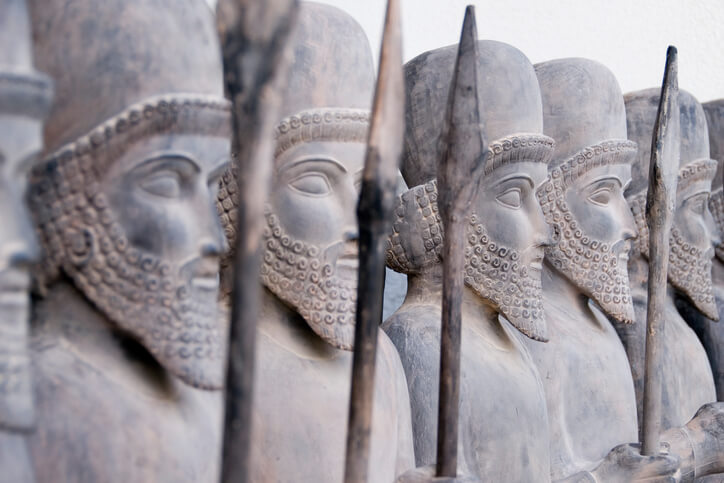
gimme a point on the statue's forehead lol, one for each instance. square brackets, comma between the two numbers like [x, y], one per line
[349, 154]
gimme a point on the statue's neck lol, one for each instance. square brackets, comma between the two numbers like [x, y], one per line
[286, 328]
[65, 318]
[426, 289]
[558, 287]
[717, 272]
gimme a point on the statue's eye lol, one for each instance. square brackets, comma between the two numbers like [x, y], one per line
[315, 184]
[511, 198]
[601, 196]
[164, 183]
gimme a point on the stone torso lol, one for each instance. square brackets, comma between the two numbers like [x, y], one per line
[503, 421]
[589, 391]
[301, 409]
[92, 383]
[688, 381]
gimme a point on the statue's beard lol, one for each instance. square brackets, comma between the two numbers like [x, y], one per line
[599, 269]
[170, 309]
[16, 391]
[302, 276]
[690, 272]
[497, 274]
[716, 206]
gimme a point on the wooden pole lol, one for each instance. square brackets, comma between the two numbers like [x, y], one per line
[660, 206]
[253, 35]
[374, 211]
[459, 170]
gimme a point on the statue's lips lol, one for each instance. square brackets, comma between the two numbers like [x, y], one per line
[14, 286]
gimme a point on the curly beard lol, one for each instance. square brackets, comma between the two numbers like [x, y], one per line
[689, 267]
[299, 274]
[690, 272]
[592, 265]
[495, 273]
[175, 320]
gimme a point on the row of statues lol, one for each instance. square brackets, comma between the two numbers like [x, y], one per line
[119, 205]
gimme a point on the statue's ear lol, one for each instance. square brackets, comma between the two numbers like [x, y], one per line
[81, 244]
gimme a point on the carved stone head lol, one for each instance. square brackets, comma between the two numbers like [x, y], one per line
[25, 97]
[691, 252]
[714, 111]
[310, 243]
[506, 232]
[583, 200]
[134, 148]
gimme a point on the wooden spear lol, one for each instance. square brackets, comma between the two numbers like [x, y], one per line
[660, 206]
[374, 211]
[253, 35]
[460, 167]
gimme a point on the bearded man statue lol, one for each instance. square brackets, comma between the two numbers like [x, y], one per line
[711, 334]
[589, 389]
[126, 343]
[25, 97]
[505, 236]
[688, 381]
[309, 269]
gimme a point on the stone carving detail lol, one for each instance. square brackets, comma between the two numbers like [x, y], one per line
[591, 264]
[493, 271]
[138, 291]
[689, 266]
[297, 273]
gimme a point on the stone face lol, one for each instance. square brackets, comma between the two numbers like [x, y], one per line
[25, 97]
[590, 395]
[688, 381]
[505, 234]
[127, 339]
[309, 268]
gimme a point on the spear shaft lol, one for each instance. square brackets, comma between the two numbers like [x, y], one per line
[384, 151]
[660, 206]
[253, 34]
[459, 171]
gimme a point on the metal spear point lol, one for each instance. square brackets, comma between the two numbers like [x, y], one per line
[374, 210]
[463, 153]
[253, 35]
[660, 206]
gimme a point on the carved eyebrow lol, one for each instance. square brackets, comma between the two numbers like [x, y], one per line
[516, 176]
[313, 159]
[608, 177]
[150, 163]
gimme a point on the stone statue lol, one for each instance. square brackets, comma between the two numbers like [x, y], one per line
[711, 334]
[687, 377]
[503, 423]
[25, 97]
[127, 347]
[590, 393]
[309, 271]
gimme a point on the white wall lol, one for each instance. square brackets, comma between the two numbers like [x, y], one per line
[628, 36]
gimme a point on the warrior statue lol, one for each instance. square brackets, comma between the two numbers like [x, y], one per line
[687, 377]
[503, 432]
[589, 389]
[24, 102]
[309, 269]
[710, 333]
[126, 344]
